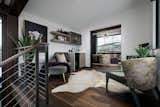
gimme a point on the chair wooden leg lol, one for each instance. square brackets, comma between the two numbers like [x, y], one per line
[48, 75]
[155, 93]
[135, 97]
[64, 78]
[107, 80]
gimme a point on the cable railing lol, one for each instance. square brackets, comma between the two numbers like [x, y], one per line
[24, 80]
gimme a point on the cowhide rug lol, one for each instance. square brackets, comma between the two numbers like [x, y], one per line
[80, 81]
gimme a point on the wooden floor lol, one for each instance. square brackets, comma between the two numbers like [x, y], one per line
[95, 97]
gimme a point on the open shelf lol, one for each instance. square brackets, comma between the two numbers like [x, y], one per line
[70, 38]
[101, 64]
[59, 41]
[59, 34]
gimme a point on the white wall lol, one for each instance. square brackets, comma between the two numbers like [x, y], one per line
[136, 29]
[52, 26]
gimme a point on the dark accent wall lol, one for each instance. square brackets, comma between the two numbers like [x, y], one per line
[9, 16]
[4, 37]
[9, 30]
[12, 33]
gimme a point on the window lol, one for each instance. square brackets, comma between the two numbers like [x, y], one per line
[109, 41]
[109, 44]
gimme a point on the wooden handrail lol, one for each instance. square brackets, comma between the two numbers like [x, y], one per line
[18, 55]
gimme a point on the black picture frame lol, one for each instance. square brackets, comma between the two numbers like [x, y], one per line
[31, 26]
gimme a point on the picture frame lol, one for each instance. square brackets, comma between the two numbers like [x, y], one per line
[36, 30]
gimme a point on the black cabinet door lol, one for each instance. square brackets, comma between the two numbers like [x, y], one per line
[77, 56]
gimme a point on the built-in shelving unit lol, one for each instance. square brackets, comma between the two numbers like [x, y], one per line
[66, 38]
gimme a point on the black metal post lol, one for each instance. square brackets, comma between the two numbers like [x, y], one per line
[4, 54]
[135, 98]
[46, 74]
[157, 24]
[37, 76]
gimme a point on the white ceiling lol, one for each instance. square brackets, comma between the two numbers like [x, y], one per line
[77, 14]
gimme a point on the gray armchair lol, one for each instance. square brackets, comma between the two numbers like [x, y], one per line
[59, 65]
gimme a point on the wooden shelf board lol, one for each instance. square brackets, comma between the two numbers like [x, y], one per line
[64, 35]
[58, 33]
[65, 42]
[54, 40]
[100, 64]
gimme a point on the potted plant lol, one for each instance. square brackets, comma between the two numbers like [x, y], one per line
[23, 42]
[141, 71]
[143, 52]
